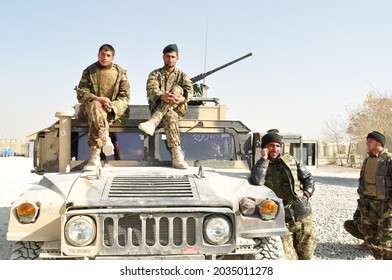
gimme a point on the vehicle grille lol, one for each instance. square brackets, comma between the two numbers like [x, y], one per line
[134, 231]
[154, 186]
[134, 234]
[150, 233]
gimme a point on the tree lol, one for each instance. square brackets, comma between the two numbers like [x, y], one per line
[374, 114]
[335, 132]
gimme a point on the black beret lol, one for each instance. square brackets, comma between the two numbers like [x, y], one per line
[271, 137]
[377, 136]
[170, 48]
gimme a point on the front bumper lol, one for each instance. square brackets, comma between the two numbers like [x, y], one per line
[158, 233]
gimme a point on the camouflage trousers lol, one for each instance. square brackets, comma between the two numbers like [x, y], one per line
[357, 214]
[98, 123]
[301, 242]
[170, 116]
[376, 220]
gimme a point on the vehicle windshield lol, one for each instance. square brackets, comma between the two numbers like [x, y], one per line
[130, 146]
[127, 146]
[201, 146]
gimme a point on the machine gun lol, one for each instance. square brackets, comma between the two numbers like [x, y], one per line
[200, 90]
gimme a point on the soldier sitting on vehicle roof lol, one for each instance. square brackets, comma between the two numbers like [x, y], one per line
[104, 94]
[168, 92]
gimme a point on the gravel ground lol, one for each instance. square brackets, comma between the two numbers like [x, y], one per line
[333, 202]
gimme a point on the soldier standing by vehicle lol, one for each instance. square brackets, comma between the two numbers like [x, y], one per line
[375, 197]
[104, 94]
[294, 184]
[168, 92]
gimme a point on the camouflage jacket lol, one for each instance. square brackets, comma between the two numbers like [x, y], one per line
[160, 82]
[288, 178]
[88, 88]
[383, 176]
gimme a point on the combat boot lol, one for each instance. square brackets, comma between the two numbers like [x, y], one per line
[95, 159]
[108, 147]
[149, 126]
[351, 227]
[178, 158]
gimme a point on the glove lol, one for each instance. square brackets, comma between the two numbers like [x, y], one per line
[301, 208]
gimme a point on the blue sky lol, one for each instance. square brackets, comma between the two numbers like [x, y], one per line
[311, 59]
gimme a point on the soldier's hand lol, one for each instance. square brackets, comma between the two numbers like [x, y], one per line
[108, 106]
[172, 98]
[166, 98]
[301, 208]
[264, 153]
[106, 103]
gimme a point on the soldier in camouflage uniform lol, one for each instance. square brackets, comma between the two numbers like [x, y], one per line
[294, 184]
[104, 94]
[375, 197]
[168, 92]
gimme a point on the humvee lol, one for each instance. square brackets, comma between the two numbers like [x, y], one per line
[137, 206]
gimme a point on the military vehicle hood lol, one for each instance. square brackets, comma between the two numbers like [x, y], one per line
[162, 187]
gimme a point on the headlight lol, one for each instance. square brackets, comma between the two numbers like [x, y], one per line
[217, 229]
[268, 209]
[80, 230]
[27, 212]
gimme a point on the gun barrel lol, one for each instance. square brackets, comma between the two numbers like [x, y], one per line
[203, 75]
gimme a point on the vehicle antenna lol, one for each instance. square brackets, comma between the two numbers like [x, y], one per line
[205, 50]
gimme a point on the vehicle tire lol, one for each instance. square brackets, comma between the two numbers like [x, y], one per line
[26, 250]
[269, 248]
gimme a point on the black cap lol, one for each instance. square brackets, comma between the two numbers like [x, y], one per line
[379, 137]
[271, 136]
[170, 48]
